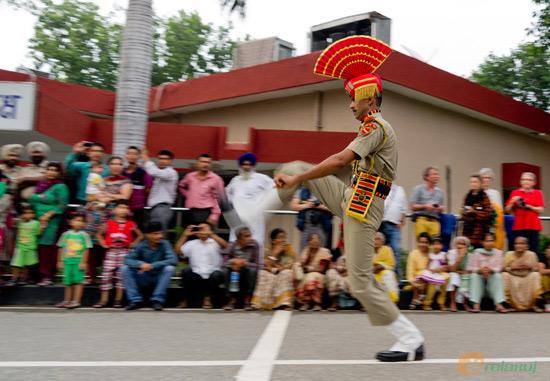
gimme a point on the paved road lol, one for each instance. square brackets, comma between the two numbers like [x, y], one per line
[89, 344]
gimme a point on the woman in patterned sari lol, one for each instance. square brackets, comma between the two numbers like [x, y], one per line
[314, 261]
[275, 284]
[522, 282]
[50, 202]
[116, 187]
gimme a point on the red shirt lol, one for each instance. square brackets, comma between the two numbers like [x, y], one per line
[526, 218]
[119, 234]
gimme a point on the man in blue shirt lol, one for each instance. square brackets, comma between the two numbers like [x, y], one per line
[150, 265]
[81, 169]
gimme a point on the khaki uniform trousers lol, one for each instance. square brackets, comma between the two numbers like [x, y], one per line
[358, 240]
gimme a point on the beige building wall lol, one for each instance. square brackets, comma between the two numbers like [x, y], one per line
[427, 135]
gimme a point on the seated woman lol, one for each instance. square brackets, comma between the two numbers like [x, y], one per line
[458, 262]
[544, 270]
[384, 266]
[417, 262]
[314, 262]
[486, 277]
[275, 284]
[435, 276]
[522, 283]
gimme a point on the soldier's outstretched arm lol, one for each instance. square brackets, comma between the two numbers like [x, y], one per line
[330, 165]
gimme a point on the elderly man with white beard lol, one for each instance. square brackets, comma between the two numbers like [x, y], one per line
[244, 191]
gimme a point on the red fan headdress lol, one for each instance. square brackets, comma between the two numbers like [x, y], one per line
[355, 59]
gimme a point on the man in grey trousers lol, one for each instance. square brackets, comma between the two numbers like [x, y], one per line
[163, 192]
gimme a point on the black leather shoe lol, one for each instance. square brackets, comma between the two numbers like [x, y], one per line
[395, 356]
[157, 306]
[134, 306]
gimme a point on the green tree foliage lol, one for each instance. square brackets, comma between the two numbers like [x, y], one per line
[191, 47]
[524, 74]
[78, 45]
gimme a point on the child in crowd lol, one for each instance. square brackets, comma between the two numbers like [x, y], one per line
[96, 184]
[118, 236]
[26, 243]
[437, 264]
[74, 246]
[436, 276]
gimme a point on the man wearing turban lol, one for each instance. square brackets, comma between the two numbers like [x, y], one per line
[33, 173]
[11, 154]
[244, 191]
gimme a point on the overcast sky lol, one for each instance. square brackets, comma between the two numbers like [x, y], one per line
[455, 36]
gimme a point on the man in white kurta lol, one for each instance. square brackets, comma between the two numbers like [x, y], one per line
[244, 192]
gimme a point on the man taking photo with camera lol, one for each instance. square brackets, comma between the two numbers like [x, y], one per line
[205, 263]
[427, 203]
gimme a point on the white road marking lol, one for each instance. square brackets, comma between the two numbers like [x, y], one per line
[427, 361]
[101, 364]
[259, 365]
[266, 362]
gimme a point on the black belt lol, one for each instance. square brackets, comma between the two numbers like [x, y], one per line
[429, 218]
[383, 187]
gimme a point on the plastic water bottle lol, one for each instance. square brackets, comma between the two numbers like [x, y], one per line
[234, 285]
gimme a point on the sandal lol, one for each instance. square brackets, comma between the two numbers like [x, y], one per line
[537, 310]
[11, 283]
[45, 282]
[415, 303]
[117, 304]
[427, 308]
[62, 304]
[100, 304]
[317, 308]
[474, 310]
[22, 282]
[290, 308]
[303, 307]
[332, 309]
[229, 306]
[501, 310]
[248, 307]
[443, 307]
[208, 306]
[73, 305]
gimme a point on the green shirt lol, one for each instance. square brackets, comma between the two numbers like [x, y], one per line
[73, 244]
[27, 235]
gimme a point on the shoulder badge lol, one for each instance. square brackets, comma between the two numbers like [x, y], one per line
[367, 128]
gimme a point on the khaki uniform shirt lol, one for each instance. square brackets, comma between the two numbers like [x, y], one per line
[12, 174]
[32, 170]
[368, 140]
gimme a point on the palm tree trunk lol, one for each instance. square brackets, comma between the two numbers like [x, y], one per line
[134, 79]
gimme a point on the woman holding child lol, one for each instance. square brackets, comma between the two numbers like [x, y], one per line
[117, 187]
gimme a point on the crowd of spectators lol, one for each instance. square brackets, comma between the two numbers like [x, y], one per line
[111, 230]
